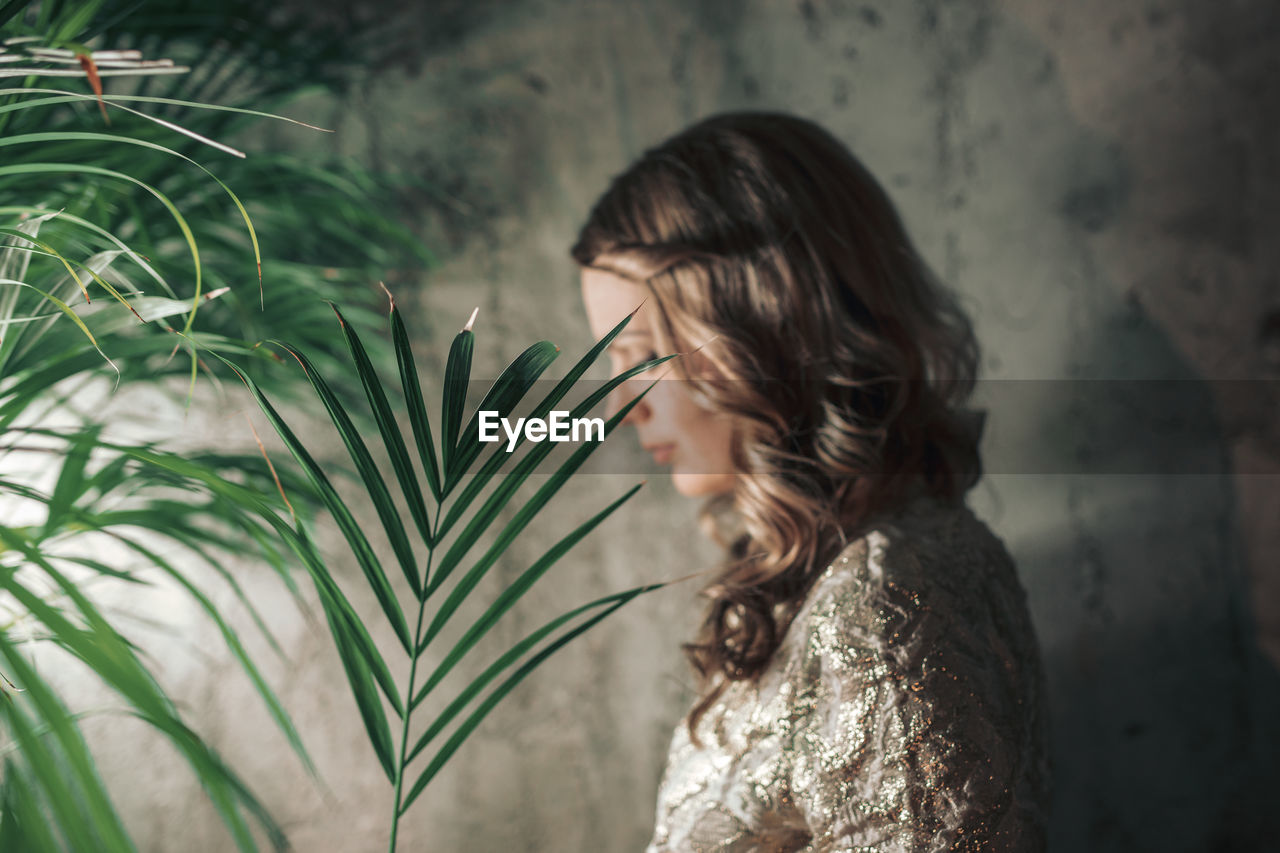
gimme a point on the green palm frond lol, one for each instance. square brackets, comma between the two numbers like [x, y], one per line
[269, 256]
[121, 246]
[429, 559]
[116, 493]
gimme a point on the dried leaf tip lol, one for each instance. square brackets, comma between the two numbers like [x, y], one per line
[274, 476]
[472, 321]
[90, 69]
[390, 298]
[7, 686]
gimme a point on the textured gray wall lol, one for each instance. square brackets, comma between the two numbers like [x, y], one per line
[1097, 179]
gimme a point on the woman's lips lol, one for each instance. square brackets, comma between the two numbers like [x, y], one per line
[661, 452]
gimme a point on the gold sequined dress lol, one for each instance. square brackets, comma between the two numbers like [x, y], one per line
[903, 711]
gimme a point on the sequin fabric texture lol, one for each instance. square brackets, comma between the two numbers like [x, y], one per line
[902, 712]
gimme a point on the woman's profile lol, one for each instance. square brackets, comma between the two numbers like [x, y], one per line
[869, 678]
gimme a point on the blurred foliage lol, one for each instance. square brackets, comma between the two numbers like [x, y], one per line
[116, 514]
[326, 230]
[135, 243]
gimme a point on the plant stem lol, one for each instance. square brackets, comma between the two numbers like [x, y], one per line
[408, 697]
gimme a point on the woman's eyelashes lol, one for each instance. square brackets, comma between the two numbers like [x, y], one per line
[649, 356]
[624, 364]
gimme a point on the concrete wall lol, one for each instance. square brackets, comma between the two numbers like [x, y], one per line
[1096, 178]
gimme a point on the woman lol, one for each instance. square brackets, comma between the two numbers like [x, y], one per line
[869, 676]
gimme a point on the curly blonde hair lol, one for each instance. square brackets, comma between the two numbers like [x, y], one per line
[844, 361]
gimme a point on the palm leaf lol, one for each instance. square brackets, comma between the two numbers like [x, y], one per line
[507, 536]
[487, 471]
[72, 507]
[99, 646]
[355, 537]
[457, 377]
[369, 473]
[460, 448]
[613, 602]
[393, 441]
[101, 816]
[512, 594]
[417, 408]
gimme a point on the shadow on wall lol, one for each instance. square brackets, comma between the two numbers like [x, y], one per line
[1165, 714]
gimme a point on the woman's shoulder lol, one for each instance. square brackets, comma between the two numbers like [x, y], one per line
[916, 638]
[926, 577]
[928, 543]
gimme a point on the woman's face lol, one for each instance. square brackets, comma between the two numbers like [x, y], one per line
[669, 423]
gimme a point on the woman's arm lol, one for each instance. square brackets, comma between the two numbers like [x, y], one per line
[916, 708]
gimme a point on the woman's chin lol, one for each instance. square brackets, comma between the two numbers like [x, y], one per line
[693, 485]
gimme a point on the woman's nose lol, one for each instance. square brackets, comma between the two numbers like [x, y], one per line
[619, 398]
